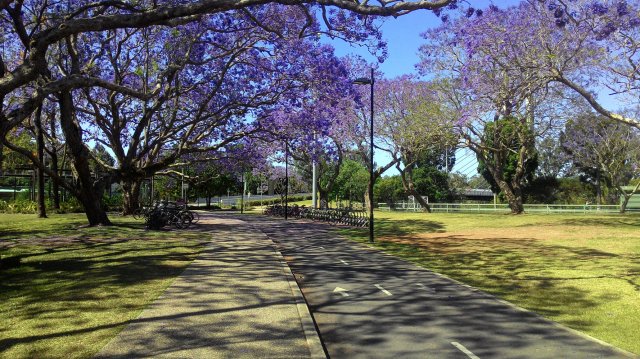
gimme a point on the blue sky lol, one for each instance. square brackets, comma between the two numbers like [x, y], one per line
[403, 40]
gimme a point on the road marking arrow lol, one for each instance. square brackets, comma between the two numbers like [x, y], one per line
[383, 290]
[464, 350]
[342, 291]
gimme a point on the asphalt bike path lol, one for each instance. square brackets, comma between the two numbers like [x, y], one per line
[238, 299]
[367, 304]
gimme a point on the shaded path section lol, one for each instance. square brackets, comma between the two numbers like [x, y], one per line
[234, 301]
[368, 304]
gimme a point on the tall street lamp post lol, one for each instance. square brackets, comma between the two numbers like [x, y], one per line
[314, 178]
[369, 81]
[286, 179]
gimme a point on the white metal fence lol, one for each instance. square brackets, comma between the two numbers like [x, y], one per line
[503, 208]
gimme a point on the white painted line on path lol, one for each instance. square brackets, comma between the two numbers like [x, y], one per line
[464, 350]
[342, 291]
[343, 262]
[382, 289]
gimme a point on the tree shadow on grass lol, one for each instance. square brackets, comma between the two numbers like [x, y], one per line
[385, 227]
[545, 278]
[606, 221]
[99, 277]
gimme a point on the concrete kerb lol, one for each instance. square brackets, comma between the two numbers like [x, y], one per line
[316, 349]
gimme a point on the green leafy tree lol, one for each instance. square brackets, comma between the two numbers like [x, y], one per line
[430, 175]
[213, 182]
[507, 158]
[389, 190]
[544, 189]
[479, 182]
[351, 182]
[10, 160]
[572, 190]
[431, 182]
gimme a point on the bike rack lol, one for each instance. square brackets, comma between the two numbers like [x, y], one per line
[342, 216]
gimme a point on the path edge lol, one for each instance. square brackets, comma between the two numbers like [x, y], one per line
[309, 327]
[316, 349]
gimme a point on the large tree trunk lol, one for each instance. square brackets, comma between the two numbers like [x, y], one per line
[514, 196]
[406, 175]
[42, 210]
[419, 199]
[367, 201]
[86, 193]
[130, 196]
[515, 204]
[1, 157]
[627, 196]
[512, 189]
[625, 202]
[54, 164]
[324, 198]
[55, 184]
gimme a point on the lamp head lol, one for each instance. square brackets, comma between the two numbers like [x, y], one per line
[362, 81]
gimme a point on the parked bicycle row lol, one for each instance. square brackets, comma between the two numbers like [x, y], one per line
[333, 216]
[165, 213]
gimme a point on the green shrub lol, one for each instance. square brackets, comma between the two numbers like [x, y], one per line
[71, 206]
[22, 206]
[3, 206]
[113, 203]
[23, 195]
[270, 201]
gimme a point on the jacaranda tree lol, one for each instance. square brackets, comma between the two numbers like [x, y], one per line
[77, 54]
[518, 63]
[606, 146]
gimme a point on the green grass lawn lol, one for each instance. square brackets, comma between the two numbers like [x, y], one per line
[580, 270]
[75, 288]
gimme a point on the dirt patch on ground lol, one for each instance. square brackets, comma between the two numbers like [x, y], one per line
[529, 233]
[500, 238]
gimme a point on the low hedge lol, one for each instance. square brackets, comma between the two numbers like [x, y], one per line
[271, 201]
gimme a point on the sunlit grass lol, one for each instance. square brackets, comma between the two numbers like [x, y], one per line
[75, 288]
[580, 270]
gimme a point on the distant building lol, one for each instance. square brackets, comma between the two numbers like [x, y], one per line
[8, 194]
[477, 195]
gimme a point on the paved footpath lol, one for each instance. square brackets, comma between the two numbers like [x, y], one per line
[237, 300]
[371, 305]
